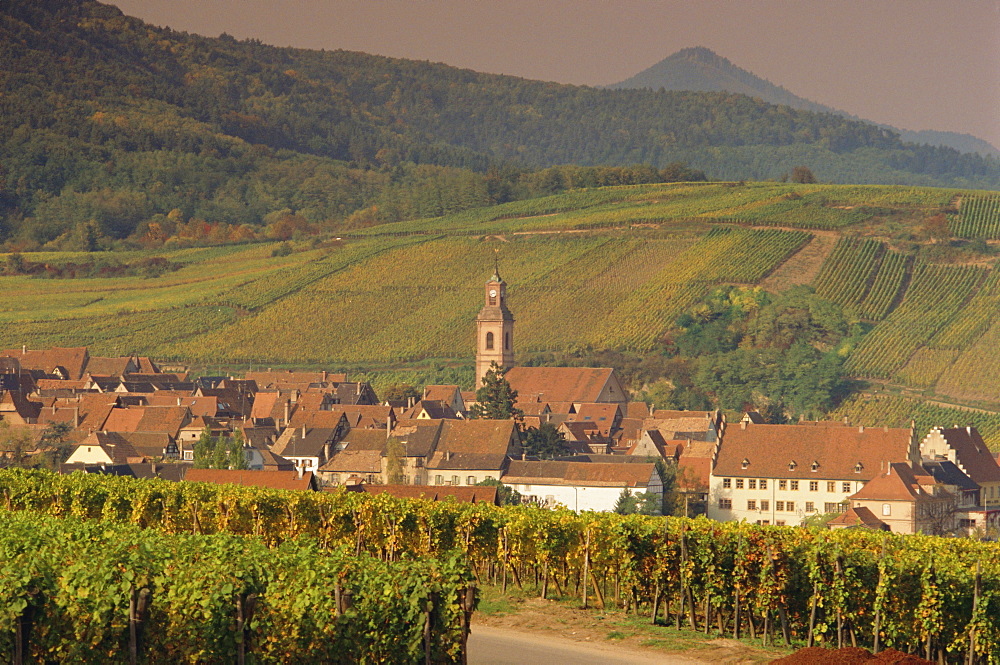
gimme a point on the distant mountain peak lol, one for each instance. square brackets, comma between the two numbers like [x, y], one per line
[700, 69]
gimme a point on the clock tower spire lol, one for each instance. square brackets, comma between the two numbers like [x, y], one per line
[494, 327]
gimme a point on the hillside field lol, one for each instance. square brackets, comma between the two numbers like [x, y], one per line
[599, 268]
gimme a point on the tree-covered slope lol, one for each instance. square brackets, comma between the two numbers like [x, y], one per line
[112, 125]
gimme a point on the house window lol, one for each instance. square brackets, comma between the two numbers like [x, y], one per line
[779, 505]
[726, 504]
[763, 484]
[829, 507]
[782, 484]
[795, 485]
[765, 522]
[745, 463]
[813, 486]
[739, 483]
[439, 480]
[810, 507]
[765, 505]
[789, 506]
[846, 488]
[751, 505]
[489, 341]
[335, 478]
[188, 454]
[831, 487]
[780, 523]
[455, 480]
[471, 480]
[727, 483]
[886, 509]
[752, 484]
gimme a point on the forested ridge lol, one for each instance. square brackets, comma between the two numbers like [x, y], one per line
[111, 128]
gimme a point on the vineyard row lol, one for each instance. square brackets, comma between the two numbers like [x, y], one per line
[915, 593]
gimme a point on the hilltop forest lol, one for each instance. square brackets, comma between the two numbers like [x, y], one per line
[112, 130]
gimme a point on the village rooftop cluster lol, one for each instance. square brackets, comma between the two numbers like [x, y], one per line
[318, 430]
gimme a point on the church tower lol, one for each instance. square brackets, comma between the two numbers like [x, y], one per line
[494, 328]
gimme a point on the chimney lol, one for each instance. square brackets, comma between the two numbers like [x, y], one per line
[178, 401]
[743, 424]
[303, 431]
[324, 376]
[968, 429]
[24, 349]
[861, 429]
[288, 409]
[409, 402]
[76, 417]
[359, 388]
[388, 427]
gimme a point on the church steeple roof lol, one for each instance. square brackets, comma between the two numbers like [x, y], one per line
[496, 268]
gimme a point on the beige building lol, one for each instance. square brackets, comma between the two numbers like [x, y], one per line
[908, 500]
[782, 474]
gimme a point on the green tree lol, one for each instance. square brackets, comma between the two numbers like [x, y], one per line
[544, 442]
[237, 454]
[55, 446]
[506, 495]
[803, 175]
[395, 452]
[203, 450]
[627, 503]
[496, 400]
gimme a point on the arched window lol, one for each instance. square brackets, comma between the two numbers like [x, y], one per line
[489, 341]
[506, 341]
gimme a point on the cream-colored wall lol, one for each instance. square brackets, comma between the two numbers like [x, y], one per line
[464, 475]
[85, 454]
[773, 494]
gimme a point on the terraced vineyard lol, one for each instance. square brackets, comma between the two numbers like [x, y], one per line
[600, 268]
[863, 274]
[887, 410]
[979, 217]
[934, 297]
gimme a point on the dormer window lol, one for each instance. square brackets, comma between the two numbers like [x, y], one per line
[858, 467]
[815, 466]
[745, 463]
[792, 465]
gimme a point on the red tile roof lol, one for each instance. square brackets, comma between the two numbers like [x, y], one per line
[436, 493]
[283, 480]
[899, 484]
[561, 384]
[790, 451]
[590, 474]
[859, 516]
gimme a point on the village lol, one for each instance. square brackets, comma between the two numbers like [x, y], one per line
[319, 431]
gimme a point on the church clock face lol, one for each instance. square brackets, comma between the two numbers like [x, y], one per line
[493, 293]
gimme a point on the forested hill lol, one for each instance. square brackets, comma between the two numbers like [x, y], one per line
[106, 120]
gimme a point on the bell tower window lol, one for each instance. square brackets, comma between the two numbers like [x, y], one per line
[489, 341]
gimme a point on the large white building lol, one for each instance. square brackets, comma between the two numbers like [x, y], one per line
[782, 474]
[582, 485]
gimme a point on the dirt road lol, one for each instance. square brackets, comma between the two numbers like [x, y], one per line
[503, 646]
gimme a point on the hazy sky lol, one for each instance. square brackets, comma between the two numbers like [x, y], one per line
[915, 64]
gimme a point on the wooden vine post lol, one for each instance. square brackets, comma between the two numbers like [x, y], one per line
[245, 606]
[976, 590]
[586, 567]
[138, 606]
[428, 608]
[878, 605]
[467, 597]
